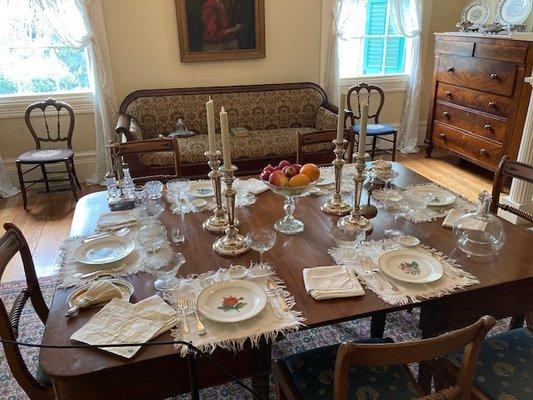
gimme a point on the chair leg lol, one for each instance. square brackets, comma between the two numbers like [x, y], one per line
[374, 143]
[75, 174]
[394, 146]
[71, 180]
[45, 177]
[22, 187]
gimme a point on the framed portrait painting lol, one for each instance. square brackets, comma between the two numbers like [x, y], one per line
[214, 30]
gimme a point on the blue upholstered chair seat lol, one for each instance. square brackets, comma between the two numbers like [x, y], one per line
[312, 376]
[376, 129]
[505, 366]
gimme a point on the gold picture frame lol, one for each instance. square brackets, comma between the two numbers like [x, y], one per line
[216, 30]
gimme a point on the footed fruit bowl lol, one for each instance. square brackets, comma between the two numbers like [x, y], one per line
[290, 181]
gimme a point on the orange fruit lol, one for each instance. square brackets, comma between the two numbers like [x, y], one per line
[299, 180]
[311, 170]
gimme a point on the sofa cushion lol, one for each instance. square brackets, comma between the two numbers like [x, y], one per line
[252, 144]
[273, 109]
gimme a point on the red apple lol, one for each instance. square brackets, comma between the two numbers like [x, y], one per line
[268, 168]
[284, 163]
[290, 171]
[278, 168]
[297, 167]
[278, 178]
[265, 175]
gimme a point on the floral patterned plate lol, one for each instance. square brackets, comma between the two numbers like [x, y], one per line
[231, 301]
[201, 189]
[413, 266]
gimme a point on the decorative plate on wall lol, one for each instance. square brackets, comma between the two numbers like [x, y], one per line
[477, 12]
[512, 12]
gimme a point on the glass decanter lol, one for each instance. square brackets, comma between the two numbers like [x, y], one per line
[128, 187]
[113, 192]
[479, 233]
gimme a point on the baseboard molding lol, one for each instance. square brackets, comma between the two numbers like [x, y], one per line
[84, 161]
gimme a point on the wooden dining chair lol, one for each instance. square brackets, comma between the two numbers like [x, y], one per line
[309, 143]
[41, 158]
[364, 91]
[131, 153]
[504, 367]
[515, 170]
[38, 387]
[375, 370]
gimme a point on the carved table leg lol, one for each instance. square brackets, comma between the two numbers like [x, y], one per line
[431, 324]
[263, 365]
[428, 144]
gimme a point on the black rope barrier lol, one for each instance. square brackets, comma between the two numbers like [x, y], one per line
[191, 361]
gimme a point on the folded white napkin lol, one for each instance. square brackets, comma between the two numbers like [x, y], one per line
[256, 186]
[122, 322]
[454, 214]
[116, 219]
[331, 282]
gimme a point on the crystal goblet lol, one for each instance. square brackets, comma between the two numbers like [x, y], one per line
[397, 208]
[347, 236]
[154, 189]
[261, 240]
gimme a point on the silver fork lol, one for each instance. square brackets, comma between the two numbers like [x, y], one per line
[200, 327]
[392, 285]
[368, 264]
[183, 305]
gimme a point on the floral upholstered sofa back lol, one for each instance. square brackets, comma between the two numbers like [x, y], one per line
[253, 110]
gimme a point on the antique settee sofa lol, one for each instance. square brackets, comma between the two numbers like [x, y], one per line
[268, 119]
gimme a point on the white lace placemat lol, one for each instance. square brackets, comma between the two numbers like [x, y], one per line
[243, 198]
[69, 270]
[266, 325]
[366, 257]
[429, 213]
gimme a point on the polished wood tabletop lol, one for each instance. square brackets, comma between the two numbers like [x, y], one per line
[86, 373]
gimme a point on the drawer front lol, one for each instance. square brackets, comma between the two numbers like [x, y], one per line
[486, 102]
[451, 47]
[500, 52]
[486, 152]
[472, 121]
[486, 75]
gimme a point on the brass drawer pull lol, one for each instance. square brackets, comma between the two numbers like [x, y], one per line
[495, 76]
[492, 105]
[446, 114]
[451, 68]
[488, 127]
[443, 136]
[483, 152]
[448, 93]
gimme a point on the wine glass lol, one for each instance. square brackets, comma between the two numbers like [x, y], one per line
[165, 272]
[177, 187]
[347, 236]
[261, 240]
[398, 208]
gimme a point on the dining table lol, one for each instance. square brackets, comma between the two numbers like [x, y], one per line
[505, 289]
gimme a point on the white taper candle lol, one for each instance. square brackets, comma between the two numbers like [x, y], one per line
[211, 126]
[340, 122]
[226, 146]
[362, 129]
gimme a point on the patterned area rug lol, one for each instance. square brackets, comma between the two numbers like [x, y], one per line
[401, 326]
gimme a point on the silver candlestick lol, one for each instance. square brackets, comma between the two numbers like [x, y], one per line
[218, 222]
[232, 243]
[356, 218]
[337, 205]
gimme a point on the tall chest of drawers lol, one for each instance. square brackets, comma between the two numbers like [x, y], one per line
[479, 98]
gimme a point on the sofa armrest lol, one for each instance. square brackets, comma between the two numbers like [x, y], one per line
[129, 128]
[327, 117]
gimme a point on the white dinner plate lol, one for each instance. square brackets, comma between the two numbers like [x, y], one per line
[231, 301]
[201, 189]
[413, 266]
[125, 287]
[104, 250]
[325, 180]
[440, 198]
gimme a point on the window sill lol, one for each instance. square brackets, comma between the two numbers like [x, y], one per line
[389, 83]
[15, 106]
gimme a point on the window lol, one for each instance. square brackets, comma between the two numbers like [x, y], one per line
[32, 59]
[379, 49]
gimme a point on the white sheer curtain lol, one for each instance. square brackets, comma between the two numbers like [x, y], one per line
[6, 187]
[408, 17]
[80, 24]
[343, 21]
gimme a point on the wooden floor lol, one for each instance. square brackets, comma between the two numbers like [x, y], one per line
[47, 222]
